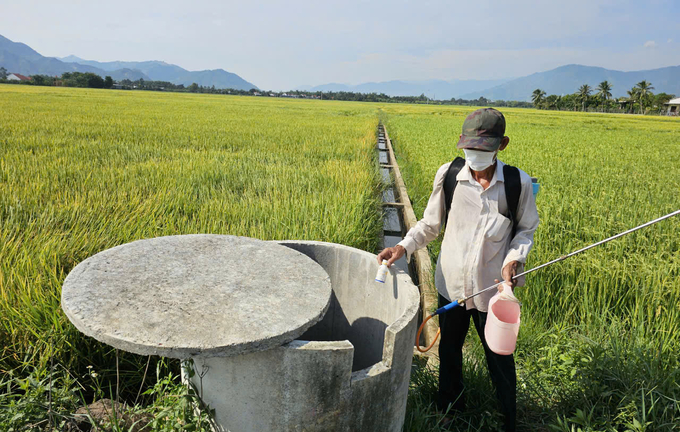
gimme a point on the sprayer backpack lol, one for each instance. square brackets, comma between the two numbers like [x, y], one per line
[512, 182]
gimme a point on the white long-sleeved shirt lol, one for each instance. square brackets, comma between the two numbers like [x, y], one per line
[477, 241]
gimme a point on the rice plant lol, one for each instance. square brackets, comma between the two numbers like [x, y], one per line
[600, 330]
[85, 170]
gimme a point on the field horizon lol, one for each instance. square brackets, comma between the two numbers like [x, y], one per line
[82, 170]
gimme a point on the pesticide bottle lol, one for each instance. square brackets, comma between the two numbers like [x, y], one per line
[382, 272]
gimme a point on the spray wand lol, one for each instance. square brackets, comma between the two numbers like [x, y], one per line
[461, 301]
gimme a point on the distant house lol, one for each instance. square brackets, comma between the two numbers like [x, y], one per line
[17, 77]
[673, 107]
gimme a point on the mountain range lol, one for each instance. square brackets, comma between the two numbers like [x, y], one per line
[562, 80]
[436, 89]
[20, 58]
[567, 79]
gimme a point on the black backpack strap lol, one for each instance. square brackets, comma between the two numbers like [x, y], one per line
[450, 183]
[513, 188]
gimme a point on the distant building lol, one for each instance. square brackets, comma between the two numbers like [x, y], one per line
[624, 104]
[673, 107]
[17, 77]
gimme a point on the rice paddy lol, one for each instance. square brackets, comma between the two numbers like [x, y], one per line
[84, 170]
[600, 330]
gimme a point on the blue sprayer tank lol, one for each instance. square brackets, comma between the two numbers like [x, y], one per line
[536, 186]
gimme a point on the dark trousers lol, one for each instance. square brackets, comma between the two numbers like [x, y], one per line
[454, 326]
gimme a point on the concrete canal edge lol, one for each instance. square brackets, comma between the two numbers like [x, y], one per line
[398, 218]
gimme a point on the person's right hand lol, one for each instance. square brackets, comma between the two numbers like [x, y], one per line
[391, 254]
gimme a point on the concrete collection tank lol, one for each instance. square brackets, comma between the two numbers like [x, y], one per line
[349, 372]
[347, 369]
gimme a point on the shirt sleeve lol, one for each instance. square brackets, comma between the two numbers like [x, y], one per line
[427, 229]
[527, 222]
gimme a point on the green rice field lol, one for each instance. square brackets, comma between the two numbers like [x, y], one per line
[83, 170]
[599, 345]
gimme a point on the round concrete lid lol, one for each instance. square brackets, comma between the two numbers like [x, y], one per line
[196, 295]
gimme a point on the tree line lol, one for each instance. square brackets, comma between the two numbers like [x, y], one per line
[92, 80]
[326, 95]
[67, 79]
[640, 99]
[360, 97]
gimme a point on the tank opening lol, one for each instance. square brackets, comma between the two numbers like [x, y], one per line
[366, 334]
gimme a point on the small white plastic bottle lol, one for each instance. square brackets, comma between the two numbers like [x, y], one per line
[382, 272]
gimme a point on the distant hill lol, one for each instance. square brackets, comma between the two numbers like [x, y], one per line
[567, 79]
[20, 58]
[162, 71]
[438, 89]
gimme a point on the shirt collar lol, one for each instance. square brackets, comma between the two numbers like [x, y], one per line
[465, 174]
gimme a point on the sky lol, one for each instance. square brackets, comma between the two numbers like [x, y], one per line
[281, 45]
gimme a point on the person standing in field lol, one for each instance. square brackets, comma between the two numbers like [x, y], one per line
[485, 240]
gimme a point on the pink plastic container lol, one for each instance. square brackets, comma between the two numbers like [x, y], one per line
[502, 325]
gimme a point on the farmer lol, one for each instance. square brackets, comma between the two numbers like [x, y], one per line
[483, 242]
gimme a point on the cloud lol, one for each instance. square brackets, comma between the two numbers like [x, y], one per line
[669, 40]
[489, 64]
[449, 64]
[280, 45]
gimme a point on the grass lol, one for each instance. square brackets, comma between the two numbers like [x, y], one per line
[84, 170]
[599, 341]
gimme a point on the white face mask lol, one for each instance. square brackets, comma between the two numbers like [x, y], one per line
[479, 160]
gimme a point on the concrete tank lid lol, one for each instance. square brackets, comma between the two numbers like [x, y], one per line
[196, 295]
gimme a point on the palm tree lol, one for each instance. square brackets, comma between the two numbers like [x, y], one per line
[644, 91]
[558, 102]
[633, 96]
[605, 92]
[552, 102]
[537, 97]
[583, 94]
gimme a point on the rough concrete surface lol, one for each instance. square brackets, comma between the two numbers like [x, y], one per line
[196, 295]
[350, 372]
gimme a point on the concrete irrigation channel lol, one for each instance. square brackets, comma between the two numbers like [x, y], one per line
[398, 218]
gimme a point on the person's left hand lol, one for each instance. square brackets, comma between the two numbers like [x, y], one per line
[508, 272]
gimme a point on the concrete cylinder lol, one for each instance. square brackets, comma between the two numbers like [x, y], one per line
[349, 372]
